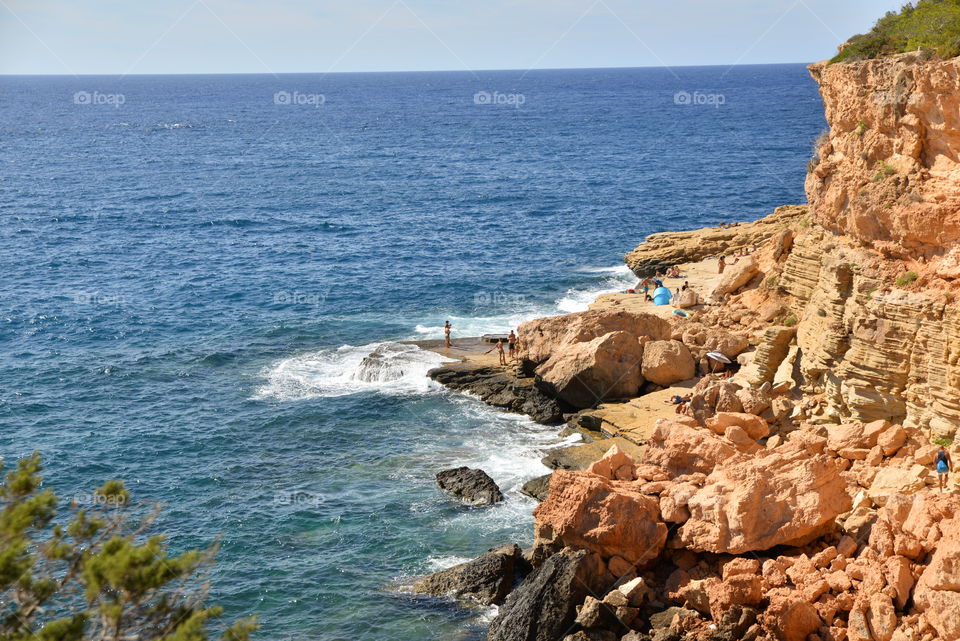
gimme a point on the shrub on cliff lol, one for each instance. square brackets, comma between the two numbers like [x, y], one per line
[929, 26]
[98, 576]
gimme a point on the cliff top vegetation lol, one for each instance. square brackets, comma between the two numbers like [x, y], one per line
[931, 27]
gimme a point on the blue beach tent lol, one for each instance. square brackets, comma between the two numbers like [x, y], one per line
[661, 296]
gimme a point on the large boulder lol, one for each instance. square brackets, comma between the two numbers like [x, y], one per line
[544, 337]
[486, 580]
[786, 497]
[755, 427]
[891, 481]
[473, 487]
[543, 607]
[736, 276]
[667, 362]
[680, 449]
[938, 590]
[584, 374]
[611, 518]
[687, 299]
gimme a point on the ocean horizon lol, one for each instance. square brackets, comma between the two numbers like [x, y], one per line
[197, 266]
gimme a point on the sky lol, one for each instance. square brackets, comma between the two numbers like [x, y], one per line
[284, 36]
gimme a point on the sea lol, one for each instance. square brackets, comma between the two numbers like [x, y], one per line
[193, 269]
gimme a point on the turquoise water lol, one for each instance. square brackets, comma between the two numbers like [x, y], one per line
[193, 277]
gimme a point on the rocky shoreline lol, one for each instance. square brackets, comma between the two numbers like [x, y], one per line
[794, 498]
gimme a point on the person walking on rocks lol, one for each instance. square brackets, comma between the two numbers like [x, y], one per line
[446, 334]
[944, 467]
[512, 341]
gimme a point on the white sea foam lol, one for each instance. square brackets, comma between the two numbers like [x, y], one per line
[617, 279]
[390, 368]
[438, 563]
[611, 279]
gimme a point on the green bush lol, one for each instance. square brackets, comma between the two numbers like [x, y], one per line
[944, 441]
[907, 278]
[883, 171]
[861, 129]
[929, 26]
[99, 574]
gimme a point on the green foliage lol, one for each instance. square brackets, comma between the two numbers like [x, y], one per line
[772, 282]
[861, 129]
[945, 441]
[929, 26]
[907, 278]
[102, 577]
[883, 171]
[871, 292]
[790, 321]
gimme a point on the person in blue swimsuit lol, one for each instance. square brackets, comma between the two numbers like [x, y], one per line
[944, 466]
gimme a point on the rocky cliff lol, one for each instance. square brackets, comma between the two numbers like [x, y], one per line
[887, 174]
[867, 279]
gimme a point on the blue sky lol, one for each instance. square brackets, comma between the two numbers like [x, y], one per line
[277, 36]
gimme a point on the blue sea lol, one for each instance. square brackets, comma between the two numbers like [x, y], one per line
[194, 268]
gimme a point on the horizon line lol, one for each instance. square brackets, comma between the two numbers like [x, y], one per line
[400, 71]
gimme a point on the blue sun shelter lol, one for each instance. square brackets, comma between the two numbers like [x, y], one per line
[661, 296]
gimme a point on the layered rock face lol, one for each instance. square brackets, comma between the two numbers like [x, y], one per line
[660, 251]
[888, 174]
[872, 349]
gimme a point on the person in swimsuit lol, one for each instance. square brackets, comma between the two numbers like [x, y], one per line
[446, 334]
[944, 467]
[499, 348]
[512, 341]
[721, 264]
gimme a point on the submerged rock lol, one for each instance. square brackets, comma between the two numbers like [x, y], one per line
[486, 580]
[473, 487]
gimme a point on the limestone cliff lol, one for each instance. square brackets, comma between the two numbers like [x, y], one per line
[888, 173]
[867, 280]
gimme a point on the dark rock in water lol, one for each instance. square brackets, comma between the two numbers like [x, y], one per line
[501, 389]
[543, 607]
[474, 487]
[538, 488]
[486, 580]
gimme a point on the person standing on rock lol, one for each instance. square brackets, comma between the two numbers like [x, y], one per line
[944, 467]
[512, 341]
[499, 348]
[446, 334]
[721, 264]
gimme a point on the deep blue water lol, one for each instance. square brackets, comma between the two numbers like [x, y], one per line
[191, 278]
